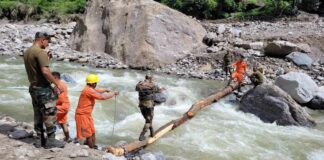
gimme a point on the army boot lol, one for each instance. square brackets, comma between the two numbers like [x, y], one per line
[53, 143]
[142, 136]
[40, 141]
[151, 132]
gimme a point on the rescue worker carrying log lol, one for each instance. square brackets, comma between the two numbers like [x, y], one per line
[63, 106]
[83, 116]
[240, 69]
[40, 77]
[146, 90]
[257, 77]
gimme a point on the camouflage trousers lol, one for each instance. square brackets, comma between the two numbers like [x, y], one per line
[147, 110]
[44, 105]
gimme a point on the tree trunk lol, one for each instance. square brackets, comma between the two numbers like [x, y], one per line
[118, 151]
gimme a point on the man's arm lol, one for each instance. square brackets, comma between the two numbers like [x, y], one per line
[48, 75]
[101, 90]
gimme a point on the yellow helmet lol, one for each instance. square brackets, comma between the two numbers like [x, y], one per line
[92, 78]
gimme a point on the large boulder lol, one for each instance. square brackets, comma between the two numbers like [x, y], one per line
[300, 59]
[299, 85]
[283, 48]
[318, 101]
[272, 104]
[140, 33]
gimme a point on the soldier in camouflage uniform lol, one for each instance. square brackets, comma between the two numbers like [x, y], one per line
[36, 62]
[146, 90]
[226, 63]
[257, 76]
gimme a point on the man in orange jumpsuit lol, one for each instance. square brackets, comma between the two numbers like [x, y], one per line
[83, 118]
[240, 69]
[63, 106]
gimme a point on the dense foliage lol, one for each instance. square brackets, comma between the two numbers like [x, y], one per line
[211, 9]
[47, 6]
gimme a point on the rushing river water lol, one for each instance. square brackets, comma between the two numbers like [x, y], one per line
[217, 132]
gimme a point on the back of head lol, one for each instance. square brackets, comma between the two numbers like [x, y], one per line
[261, 70]
[56, 75]
[42, 35]
[148, 76]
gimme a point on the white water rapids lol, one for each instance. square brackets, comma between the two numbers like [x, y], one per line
[217, 132]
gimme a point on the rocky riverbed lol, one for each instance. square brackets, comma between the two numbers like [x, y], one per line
[265, 44]
[19, 145]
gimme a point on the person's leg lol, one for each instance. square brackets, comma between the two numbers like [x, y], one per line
[146, 125]
[150, 120]
[49, 115]
[66, 132]
[239, 78]
[38, 122]
[89, 141]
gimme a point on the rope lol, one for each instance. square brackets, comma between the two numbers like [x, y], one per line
[113, 130]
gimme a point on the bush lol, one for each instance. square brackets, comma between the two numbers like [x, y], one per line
[211, 9]
[196, 8]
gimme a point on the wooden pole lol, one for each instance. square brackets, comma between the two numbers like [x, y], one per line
[195, 108]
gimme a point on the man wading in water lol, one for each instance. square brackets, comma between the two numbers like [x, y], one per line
[39, 75]
[146, 90]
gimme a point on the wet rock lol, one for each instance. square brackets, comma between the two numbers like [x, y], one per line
[318, 101]
[20, 134]
[159, 155]
[298, 85]
[109, 156]
[272, 104]
[148, 156]
[300, 59]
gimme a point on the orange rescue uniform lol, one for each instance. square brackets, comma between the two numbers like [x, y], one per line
[239, 71]
[62, 104]
[83, 118]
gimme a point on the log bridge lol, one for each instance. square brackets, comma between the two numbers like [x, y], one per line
[195, 108]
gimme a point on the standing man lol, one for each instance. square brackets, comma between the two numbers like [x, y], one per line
[240, 69]
[227, 63]
[83, 116]
[63, 106]
[146, 90]
[40, 78]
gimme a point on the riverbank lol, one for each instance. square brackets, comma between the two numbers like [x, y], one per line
[13, 147]
[24, 148]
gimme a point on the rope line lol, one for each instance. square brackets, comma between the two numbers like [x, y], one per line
[113, 130]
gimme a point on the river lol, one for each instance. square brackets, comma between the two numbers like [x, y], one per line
[217, 132]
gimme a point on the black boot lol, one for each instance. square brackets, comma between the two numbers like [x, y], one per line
[142, 136]
[53, 143]
[40, 141]
[151, 132]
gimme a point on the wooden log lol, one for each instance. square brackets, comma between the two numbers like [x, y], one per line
[195, 108]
